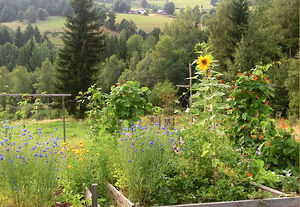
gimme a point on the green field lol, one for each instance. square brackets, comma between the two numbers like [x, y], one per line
[147, 23]
[53, 24]
[183, 3]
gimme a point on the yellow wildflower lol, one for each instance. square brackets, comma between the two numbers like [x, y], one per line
[203, 62]
[70, 167]
[97, 154]
[87, 151]
[80, 159]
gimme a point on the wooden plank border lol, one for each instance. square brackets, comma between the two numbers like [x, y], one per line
[120, 199]
[270, 190]
[270, 202]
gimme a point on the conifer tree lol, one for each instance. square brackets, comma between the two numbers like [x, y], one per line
[19, 38]
[83, 45]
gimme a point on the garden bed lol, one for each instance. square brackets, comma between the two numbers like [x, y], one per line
[122, 201]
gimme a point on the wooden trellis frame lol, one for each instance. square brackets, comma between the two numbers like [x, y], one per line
[45, 95]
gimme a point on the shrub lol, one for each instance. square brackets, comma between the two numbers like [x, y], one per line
[164, 96]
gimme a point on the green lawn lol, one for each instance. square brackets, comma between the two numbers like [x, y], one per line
[147, 23]
[75, 129]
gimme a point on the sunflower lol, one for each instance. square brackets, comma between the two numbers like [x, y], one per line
[203, 62]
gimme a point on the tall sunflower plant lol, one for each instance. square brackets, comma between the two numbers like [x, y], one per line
[209, 103]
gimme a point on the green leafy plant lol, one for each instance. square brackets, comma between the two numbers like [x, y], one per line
[250, 114]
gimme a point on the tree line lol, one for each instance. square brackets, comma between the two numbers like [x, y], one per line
[241, 35]
[32, 10]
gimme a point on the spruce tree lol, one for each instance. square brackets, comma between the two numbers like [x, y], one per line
[83, 45]
[19, 38]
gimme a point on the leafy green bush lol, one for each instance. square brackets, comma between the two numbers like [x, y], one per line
[126, 102]
[250, 118]
[164, 96]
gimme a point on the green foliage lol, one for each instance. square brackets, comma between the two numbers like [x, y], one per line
[19, 38]
[8, 14]
[147, 154]
[42, 14]
[20, 80]
[112, 69]
[169, 7]
[20, 16]
[31, 14]
[46, 78]
[30, 177]
[168, 61]
[281, 152]
[291, 84]
[250, 108]
[126, 102]
[83, 44]
[121, 6]
[226, 29]
[164, 96]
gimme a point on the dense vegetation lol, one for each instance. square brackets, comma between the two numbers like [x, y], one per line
[244, 73]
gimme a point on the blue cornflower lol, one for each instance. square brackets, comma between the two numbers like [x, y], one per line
[129, 161]
[1, 158]
[19, 147]
[35, 155]
[182, 148]
[11, 161]
[41, 155]
[7, 149]
[18, 150]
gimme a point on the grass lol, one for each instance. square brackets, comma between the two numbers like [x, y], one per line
[183, 3]
[75, 129]
[147, 23]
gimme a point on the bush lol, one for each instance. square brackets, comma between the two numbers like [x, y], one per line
[164, 96]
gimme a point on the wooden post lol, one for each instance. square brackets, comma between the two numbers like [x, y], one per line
[94, 195]
[64, 117]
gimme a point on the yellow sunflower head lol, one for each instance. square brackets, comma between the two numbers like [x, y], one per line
[204, 62]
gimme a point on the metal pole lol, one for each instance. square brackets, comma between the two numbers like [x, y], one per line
[191, 93]
[64, 117]
[190, 72]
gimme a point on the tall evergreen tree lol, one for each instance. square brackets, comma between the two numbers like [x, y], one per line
[83, 45]
[19, 38]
